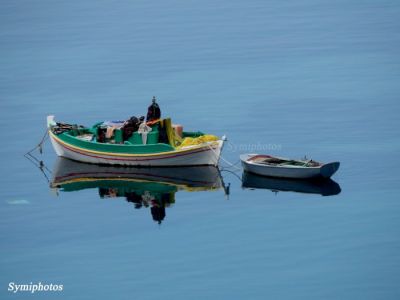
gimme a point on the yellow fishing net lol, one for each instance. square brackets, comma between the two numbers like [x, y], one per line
[189, 141]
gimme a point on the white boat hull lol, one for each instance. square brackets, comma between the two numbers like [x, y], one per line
[297, 172]
[205, 154]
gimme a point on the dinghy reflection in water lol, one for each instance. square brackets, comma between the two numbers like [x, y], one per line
[324, 187]
[144, 187]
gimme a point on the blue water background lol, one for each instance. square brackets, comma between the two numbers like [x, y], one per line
[315, 78]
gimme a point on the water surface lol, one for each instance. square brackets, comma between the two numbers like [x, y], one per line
[311, 78]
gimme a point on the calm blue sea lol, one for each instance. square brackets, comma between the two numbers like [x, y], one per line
[291, 78]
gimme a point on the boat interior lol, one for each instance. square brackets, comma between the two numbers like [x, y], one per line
[275, 161]
[162, 131]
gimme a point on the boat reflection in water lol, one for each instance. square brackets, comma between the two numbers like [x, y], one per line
[144, 187]
[324, 187]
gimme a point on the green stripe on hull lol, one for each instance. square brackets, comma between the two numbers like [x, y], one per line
[115, 148]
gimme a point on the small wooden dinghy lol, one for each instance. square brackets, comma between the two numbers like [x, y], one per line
[267, 165]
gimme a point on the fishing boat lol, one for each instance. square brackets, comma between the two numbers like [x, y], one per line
[272, 166]
[153, 187]
[161, 146]
[324, 187]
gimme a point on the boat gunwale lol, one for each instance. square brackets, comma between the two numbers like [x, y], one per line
[249, 157]
[285, 166]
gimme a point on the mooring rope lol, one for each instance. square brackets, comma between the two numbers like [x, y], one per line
[39, 164]
[235, 173]
[40, 145]
[231, 165]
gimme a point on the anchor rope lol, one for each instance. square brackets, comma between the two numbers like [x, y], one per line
[40, 145]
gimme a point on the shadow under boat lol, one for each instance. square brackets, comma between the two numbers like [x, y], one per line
[144, 187]
[324, 187]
